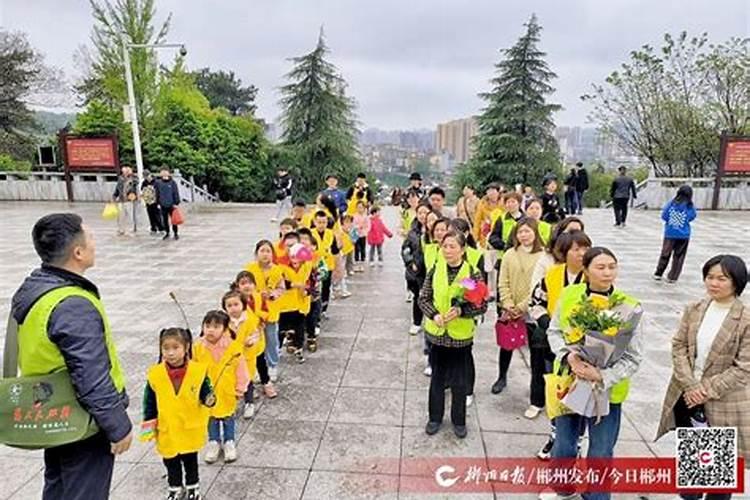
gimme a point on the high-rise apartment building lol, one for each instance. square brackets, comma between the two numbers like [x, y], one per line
[454, 137]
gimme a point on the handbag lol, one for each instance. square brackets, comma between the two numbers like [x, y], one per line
[177, 217]
[110, 212]
[510, 334]
[40, 411]
[556, 387]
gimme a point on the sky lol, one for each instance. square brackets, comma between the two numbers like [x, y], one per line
[409, 63]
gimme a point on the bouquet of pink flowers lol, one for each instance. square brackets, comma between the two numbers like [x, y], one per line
[470, 291]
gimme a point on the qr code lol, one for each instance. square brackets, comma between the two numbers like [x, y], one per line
[707, 457]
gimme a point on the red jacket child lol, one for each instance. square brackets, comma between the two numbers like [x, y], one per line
[378, 231]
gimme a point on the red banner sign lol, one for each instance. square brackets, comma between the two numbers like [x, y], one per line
[91, 153]
[736, 155]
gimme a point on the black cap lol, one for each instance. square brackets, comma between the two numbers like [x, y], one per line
[415, 176]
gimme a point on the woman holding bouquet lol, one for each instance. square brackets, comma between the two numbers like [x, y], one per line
[449, 327]
[711, 359]
[514, 285]
[568, 335]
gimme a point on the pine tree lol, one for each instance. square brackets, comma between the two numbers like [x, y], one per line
[515, 142]
[319, 121]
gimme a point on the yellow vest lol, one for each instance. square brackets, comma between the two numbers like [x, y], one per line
[251, 324]
[265, 281]
[442, 294]
[325, 242]
[294, 299]
[182, 424]
[554, 281]
[347, 246]
[570, 298]
[224, 386]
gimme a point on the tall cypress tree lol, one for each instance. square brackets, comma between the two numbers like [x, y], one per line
[319, 120]
[515, 142]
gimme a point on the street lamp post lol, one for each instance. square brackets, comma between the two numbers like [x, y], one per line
[126, 46]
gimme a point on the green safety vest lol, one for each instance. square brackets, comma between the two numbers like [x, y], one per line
[430, 251]
[570, 298]
[38, 355]
[472, 256]
[545, 231]
[442, 293]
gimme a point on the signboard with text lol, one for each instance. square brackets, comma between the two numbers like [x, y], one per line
[95, 154]
[735, 155]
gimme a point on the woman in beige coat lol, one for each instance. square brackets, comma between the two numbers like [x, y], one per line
[514, 284]
[711, 358]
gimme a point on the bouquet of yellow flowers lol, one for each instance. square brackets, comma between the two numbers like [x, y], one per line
[599, 332]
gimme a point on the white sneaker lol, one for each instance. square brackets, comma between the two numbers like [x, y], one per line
[346, 294]
[408, 298]
[427, 371]
[380, 263]
[413, 329]
[273, 373]
[372, 264]
[469, 400]
[212, 452]
[249, 411]
[532, 412]
[317, 331]
[230, 451]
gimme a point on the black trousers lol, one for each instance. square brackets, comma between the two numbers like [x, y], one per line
[416, 312]
[620, 206]
[450, 367]
[360, 249]
[472, 373]
[175, 465]
[677, 249]
[292, 321]
[165, 213]
[79, 471]
[260, 363]
[325, 294]
[541, 364]
[504, 359]
[312, 319]
[154, 217]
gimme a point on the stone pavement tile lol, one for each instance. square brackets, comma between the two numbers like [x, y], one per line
[383, 374]
[289, 444]
[504, 412]
[336, 347]
[317, 370]
[415, 407]
[148, 481]
[415, 444]
[511, 444]
[625, 448]
[238, 483]
[371, 449]
[380, 348]
[306, 403]
[422, 487]
[16, 473]
[325, 485]
[368, 406]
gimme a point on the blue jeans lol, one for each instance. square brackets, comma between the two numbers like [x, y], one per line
[602, 439]
[272, 344]
[215, 426]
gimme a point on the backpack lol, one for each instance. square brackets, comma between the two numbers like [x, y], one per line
[148, 195]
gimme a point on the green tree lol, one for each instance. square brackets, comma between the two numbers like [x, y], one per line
[319, 120]
[670, 105]
[224, 90]
[515, 142]
[104, 72]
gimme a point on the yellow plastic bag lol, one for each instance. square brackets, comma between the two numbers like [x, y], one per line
[556, 386]
[110, 211]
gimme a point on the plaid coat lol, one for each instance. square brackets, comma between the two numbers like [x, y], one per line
[726, 375]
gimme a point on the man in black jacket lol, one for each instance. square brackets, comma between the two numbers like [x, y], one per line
[582, 185]
[622, 187]
[283, 185]
[79, 330]
[168, 197]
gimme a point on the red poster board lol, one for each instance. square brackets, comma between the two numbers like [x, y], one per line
[735, 157]
[94, 154]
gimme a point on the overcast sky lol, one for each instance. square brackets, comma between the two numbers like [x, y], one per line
[409, 63]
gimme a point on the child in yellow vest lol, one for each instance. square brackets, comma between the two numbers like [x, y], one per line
[280, 252]
[227, 369]
[344, 260]
[176, 399]
[318, 273]
[329, 249]
[295, 302]
[269, 282]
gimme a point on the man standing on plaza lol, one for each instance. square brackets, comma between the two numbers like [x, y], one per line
[168, 197]
[125, 195]
[582, 185]
[333, 192]
[622, 187]
[283, 185]
[62, 326]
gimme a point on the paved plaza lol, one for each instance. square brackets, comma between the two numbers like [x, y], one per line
[362, 396]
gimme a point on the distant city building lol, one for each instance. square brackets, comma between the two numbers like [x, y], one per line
[454, 137]
[588, 145]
